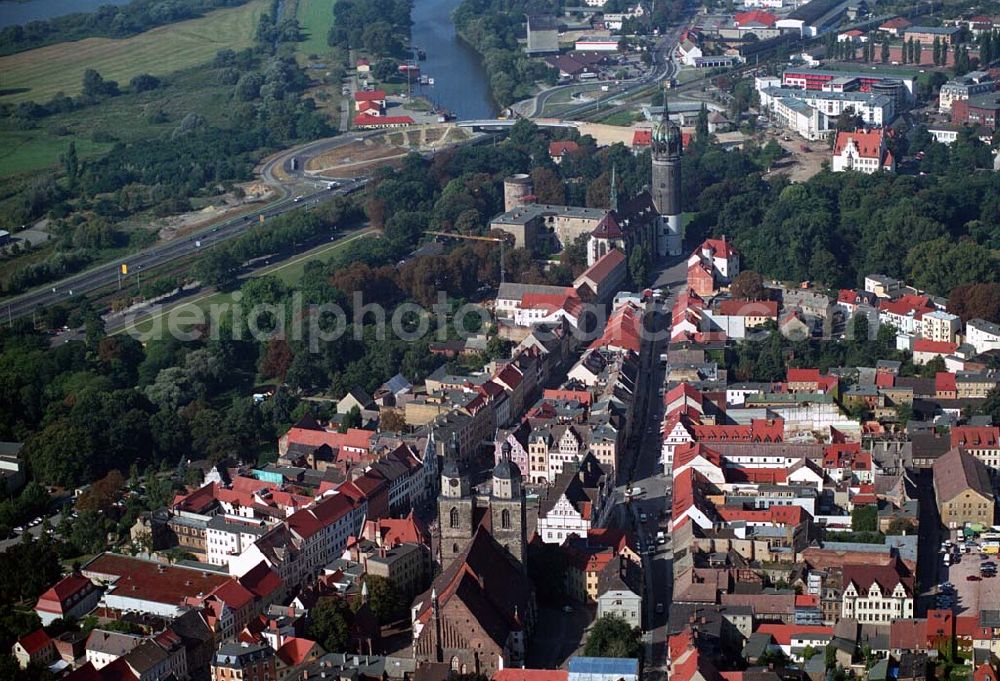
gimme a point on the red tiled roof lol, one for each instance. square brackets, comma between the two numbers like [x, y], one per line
[156, 582]
[802, 375]
[53, 599]
[261, 581]
[908, 634]
[604, 266]
[907, 305]
[642, 138]
[935, 347]
[367, 96]
[354, 438]
[198, 500]
[884, 380]
[783, 633]
[721, 248]
[806, 601]
[233, 594]
[608, 228]
[975, 437]
[562, 147]
[869, 143]
[894, 23]
[294, 651]
[34, 641]
[754, 17]
[533, 675]
[886, 576]
[944, 381]
[737, 307]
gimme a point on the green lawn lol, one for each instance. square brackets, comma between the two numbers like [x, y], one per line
[26, 150]
[39, 74]
[316, 18]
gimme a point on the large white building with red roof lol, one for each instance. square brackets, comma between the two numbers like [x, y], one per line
[864, 151]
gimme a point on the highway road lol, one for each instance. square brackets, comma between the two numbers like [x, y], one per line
[107, 274]
[664, 67]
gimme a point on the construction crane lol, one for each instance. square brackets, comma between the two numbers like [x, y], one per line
[473, 237]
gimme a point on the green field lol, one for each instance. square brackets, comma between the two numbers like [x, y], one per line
[315, 17]
[125, 118]
[26, 150]
[39, 74]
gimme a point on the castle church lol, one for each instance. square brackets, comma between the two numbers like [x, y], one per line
[651, 219]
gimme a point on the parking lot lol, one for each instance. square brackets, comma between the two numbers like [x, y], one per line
[970, 595]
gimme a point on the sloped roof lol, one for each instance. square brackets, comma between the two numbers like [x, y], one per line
[956, 471]
[869, 143]
[34, 641]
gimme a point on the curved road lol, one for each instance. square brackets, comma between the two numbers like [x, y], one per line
[106, 274]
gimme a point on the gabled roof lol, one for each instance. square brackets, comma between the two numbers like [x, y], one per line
[35, 641]
[53, 599]
[294, 651]
[784, 633]
[869, 143]
[368, 95]
[608, 228]
[886, 576]
[562, 147]
[956, 471]
[604, 266]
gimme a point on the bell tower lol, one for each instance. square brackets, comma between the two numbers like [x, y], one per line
[666, 189]
[456, 506]
[508, 508]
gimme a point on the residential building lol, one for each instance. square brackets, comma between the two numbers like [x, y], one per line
[581, 498]
[104, 647]
[982, 335]
[244, 662]
[964, 490]
[877, 594]
[962, 88]
[36, 647]
[940, 326]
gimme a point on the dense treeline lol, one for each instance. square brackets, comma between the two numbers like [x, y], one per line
[380, 27]
[108, 21]
[492, 28]
[936, 231]
[161, 172]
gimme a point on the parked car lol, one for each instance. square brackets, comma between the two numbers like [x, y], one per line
[643, 517]
[659, 608]
[973, 578]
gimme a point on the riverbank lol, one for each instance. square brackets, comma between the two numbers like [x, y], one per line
[461, 84]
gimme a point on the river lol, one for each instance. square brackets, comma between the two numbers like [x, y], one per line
[13, 13]
[460, 82]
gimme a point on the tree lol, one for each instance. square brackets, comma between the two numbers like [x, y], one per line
[864, 518]
[102, 494]
[392, 421]
[611, 636]
[885, 51]
[937, 51]
[71, 164]
[143, 82]
[329, 623]
[638, 266]
[384, 69]
[748, 285]
[701, 128]
[917, 49]
[971, 301]
[385, 600]
[900, 526]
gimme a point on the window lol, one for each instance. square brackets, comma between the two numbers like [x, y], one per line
[453, 517]
[505, 519]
